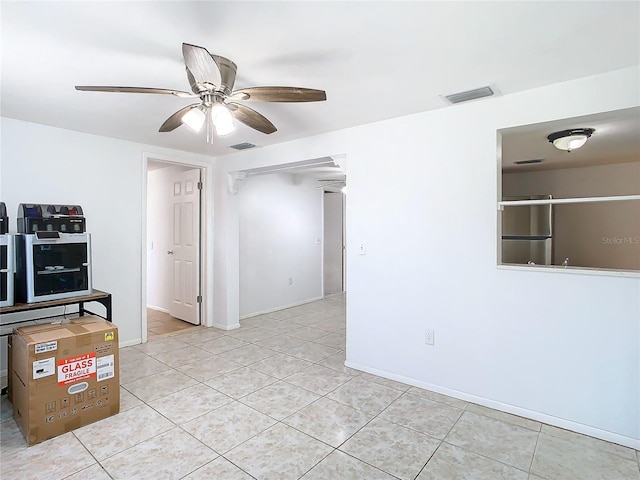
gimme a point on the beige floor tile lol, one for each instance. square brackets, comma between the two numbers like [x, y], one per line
[339, 465]
[495, 439]
[438, 397]
[169, 456]
[318, 379]
[128, 400]
[451, 462]
[221, 469]
[590, 442]
[228, 426]
[312, 352]
[221, 344]
[248, 354]
[94, 472]
[187, 404]
[160, 346]
[336, 362]
[142, 366]
[392, 448]
[366, 396]
[279, 400]
[11, 439]
[52, 459]
[211, 368]
[505, 417]
[280, 366]
[280, 452]
[335, 340]
[562, 459]
[252, 335]
[421, 414]
[328, 421]
[183, 356]
[241, 382]
[385, 381]
[124, 430]
[281, 343]
[199, 335]
[159, 385]
[306, 333]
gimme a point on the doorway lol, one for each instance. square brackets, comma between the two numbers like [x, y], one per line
[333, 255]
[173, 248]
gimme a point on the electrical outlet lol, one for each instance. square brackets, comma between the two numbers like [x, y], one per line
[290, 280]
[428, 336]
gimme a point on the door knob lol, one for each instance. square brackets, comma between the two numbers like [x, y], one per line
[169, 252]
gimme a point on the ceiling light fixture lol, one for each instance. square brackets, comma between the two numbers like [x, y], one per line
[570, 139]
[222, 119]
[194, 118]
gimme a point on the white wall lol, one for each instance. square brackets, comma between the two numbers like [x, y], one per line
[41, 164]
[569, 357]
[280, 221]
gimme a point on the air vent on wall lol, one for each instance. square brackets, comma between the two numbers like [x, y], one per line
[469, 95]
[529, 162]
[242, 146]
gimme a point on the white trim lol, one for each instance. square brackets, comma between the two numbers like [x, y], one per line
[283, 307]
[505, 407]
[556, 201]
[160, 309]
[130, 343]
[571, 270]
[226, 327]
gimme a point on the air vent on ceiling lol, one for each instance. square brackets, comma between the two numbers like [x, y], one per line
[242, 146]
[469, 95]
[529, 162]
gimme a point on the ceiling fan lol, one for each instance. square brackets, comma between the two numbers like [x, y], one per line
[211, 78]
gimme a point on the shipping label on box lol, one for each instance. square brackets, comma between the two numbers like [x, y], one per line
[74, 369]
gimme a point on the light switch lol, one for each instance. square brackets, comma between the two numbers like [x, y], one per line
[362, 250]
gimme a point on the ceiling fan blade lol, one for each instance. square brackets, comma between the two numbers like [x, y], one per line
[227, 72]
[175, 120]
[94, 88]
[201, 65]
[279, 94]
[251, 118]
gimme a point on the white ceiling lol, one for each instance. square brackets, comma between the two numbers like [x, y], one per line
[376, 60]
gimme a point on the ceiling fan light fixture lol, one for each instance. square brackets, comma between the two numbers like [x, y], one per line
[222, 119]
[568, 140]
[194, 118]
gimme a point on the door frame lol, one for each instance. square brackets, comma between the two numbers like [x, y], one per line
[206, 237]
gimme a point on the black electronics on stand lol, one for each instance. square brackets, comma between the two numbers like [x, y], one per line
[7, 256]
[53, 253]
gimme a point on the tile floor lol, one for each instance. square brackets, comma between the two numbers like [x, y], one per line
[273, 400]
[161, 324]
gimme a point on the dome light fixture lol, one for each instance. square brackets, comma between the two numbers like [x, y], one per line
[570, 139]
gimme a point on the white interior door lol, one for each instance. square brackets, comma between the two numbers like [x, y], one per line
[184, 252]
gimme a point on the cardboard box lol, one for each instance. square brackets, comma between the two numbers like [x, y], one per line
[64, 376]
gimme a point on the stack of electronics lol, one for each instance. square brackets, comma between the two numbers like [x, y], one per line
[52, 254]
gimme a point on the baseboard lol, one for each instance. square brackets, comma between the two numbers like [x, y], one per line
[130, 343]
[226, 327]
[160, 309]
[505, 407]
[282, 307]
